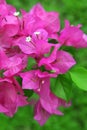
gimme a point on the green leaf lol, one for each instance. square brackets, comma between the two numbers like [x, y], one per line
[1, 73]
[79, 77]
[28, 93]
[63, 86]
[31, 63]
[19, 79]
[53, 41]
[69, 49]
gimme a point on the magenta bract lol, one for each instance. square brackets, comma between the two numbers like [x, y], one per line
[37, 35]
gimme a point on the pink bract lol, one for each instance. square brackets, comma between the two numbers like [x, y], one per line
[34, 36]
[10, 97]
[72, 36]
[35, 80]
[40, 115]
[59, 61]
[12, 65]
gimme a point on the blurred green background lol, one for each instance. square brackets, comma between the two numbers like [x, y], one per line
[75, 117]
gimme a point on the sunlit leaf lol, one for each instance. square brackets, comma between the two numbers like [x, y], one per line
[79, 77]
[62, 87]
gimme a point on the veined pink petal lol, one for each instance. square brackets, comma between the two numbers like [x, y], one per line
[30, 80]
[72, 36]
[10, 97]
[50, 19]
[3, 109]
[40, 115]
[59, 62]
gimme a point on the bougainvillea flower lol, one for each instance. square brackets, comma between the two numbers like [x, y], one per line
[33, 79]
[36, 48]
[38, 18]
[40, 34]
[6, 9]
[29, 24]
[10, 25]
[8, 20]
[72, 36]
[12, 65]
[59, 61]
[45, 108]
[48, 100]
[40, 114]
[51, 103]
[50, 19]
[35, 36]
[8, 28]
[10, 97]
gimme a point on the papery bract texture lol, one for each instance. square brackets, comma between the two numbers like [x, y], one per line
[31, 54]
[10, 97]
[72, 36]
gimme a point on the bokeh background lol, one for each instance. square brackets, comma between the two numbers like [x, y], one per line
[75, 117]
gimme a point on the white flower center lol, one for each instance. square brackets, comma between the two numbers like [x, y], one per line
[16, 13]
[28, 39]
[36, 33]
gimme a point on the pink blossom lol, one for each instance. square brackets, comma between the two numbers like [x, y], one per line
[34, 79]
[40, 114]
[29, 24]
[12, 65]
[30, 36]
[36, 48]
[51, 103]
[10, 97]
[9, 24]
[45, 107]
[35, 30]
[48, 100]
[59, 61]
[50, 19]
[38, 19]
[72, 36]
[8, 20]
[6, 8]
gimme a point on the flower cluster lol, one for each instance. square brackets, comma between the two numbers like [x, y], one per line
[30, 34]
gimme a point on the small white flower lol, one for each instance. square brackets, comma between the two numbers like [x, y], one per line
[16, 13]
[28, 39]
[36, 33]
